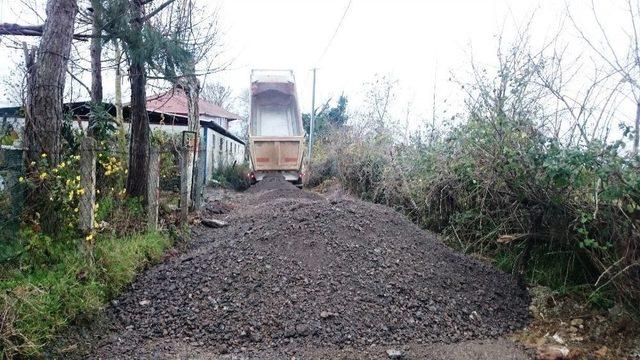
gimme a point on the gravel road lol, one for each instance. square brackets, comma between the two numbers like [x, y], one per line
[295, 274]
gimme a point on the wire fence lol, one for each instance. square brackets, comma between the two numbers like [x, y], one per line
[11, 190]
[23, 184]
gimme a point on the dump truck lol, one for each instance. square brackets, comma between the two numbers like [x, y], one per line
[276, 134]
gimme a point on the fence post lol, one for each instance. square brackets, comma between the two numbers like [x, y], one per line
[153, 189]
[200, 172]
[184, 184]
[87, 184]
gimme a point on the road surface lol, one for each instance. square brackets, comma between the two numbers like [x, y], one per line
[299, 275]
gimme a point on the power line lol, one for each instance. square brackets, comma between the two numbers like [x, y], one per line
[313, 96]
[346, 10]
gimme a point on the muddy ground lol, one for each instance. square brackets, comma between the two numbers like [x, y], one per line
[296, 274]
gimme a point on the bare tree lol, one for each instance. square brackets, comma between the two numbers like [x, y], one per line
[218, 94]
[380, 94]
[625, 64]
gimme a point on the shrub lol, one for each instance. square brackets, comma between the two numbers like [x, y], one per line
[235, 177]
[562, 216]
[169, 160]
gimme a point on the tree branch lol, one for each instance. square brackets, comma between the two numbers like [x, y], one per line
[157, 10]
[30, 30]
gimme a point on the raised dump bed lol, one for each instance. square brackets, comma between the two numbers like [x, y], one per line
[276, 135]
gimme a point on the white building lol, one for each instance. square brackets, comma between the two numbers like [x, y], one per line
[167, 112]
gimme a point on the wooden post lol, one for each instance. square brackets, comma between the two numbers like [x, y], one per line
[200, 177]
[185, 180]
[153, 189]
[87, 199]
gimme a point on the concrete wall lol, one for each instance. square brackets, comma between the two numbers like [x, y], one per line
[221, 150]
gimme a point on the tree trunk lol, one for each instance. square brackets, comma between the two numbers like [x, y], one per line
[139, 143]
[636, 138]
[96, 61]
[191, 87]
[122, 136]
[45, 83]
[118, 85]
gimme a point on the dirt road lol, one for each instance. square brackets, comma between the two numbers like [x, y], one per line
[299, 275]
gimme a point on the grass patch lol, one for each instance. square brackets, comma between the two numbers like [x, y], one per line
[36, 302]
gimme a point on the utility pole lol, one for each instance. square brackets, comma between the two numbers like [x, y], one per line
[313, 114]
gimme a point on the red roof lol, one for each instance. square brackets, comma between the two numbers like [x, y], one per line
[174, 102]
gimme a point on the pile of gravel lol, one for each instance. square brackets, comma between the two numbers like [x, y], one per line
[295, 268]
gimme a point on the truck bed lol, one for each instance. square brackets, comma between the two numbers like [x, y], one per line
[276, 137]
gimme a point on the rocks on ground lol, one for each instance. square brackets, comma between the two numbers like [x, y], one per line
[293, 269]
[565, 327]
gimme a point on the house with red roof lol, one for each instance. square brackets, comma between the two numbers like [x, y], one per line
[168, 112]
[174, 102]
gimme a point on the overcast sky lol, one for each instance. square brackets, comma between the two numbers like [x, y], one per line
[418, 42]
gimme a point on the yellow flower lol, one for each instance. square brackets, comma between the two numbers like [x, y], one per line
[62, 165]
[21, 179]
[43, 176]
[77, 157]
[33, 163]
[44, 155]
[97, 191]
[55, 170]
[89, 237]
[80, 191]
[75, 210]
[78, 178]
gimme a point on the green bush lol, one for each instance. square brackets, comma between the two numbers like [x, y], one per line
[234, 177]
[38, 301]
[510, 176]
[562, 216]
